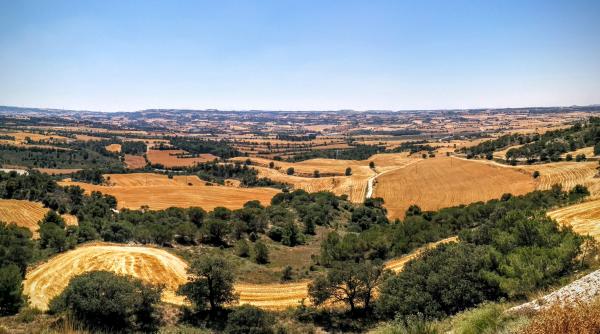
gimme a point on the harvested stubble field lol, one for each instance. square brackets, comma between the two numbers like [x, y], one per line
[445, 181]
[159, 192]
[58, 171]
[584, 218]
[169, 159]
[158, 266]
[355, 185]
[27, 214]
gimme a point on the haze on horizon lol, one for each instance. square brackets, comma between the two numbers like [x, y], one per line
[298, 55]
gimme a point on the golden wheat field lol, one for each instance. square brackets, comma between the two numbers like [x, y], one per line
[27, 214]
[157, 266]
[445, 181]
[159, 192]
[584, 217]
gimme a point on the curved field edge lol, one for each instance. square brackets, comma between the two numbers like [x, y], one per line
[158, 266]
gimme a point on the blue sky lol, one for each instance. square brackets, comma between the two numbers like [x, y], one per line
[298, 55]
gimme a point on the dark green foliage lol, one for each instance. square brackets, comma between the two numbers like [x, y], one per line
[348, 282]
[517, 253]
[93, 176]
[106, 301]
[11, 290]
[357, 152]
[290, 171]
[218, 172]
[536, 174]
[212, 283]
[133, 147]
[197, 146]
[287, 273]
[248, 319]
[16, 246]
[261, 252]
[369, 214]
[242, 248]
[77, 154]
[489, 146]
[412, 147]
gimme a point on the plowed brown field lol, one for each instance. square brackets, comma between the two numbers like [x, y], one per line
[27, 214]
[168, 158]
[159, 192]
[157, 266]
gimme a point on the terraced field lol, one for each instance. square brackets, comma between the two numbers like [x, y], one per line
[567, 174]
[159, 192]
[27, 214]
[157, 266]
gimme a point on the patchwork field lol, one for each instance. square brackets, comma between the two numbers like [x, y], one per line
[27, 214]
[159, 192]
[442, 182]
[157, 266]
[169, 158]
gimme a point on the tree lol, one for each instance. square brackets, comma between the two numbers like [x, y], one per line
[348, 282]
[290, 171]
[16, 246]
[348, 171]
[107, 301]
[371, 164]
[569, 157]
[248, 319]
[11, 289]
[215, 230]
[261, 253]
[271, 164]
[286, 274]
[536, 174]
[211, 283]
[242, 248]
[317, 174]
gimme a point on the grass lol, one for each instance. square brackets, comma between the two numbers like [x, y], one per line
[574, 318]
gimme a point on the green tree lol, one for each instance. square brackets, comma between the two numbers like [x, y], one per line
[261, 252]
[348, 282]
[16, 246]
[317, 174]
[211, 283]
[214, 231]
[348, 171]
[290, 171]
[536, 174]
[107, 301]
[248, 319]
[242, 248]
[286, 274]
[11, 289]
[371, 164]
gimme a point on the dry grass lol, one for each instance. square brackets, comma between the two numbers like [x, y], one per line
[159, 192]
[27, 214]
[578, 318]
[168, 158]
[58, 171]
[134, 161]
[442, 182]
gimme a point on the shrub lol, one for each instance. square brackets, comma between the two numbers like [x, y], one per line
[290, 171]
[249, 319]
[261, 253]
[107, 301]
[11, 290]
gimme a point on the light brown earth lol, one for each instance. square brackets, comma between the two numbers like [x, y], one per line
[169, 160]
[116, 148]
[27, 214]
[159, 192]
[157, 266]
[446, 181]
[134, 161]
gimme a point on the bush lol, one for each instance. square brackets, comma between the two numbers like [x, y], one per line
[249, 319]
[261, 253]
[107, 301]
[572, 318]
[11, 290]
[290, 171]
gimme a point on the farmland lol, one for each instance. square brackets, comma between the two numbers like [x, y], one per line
[441, 182]
[27, 214]
[172, 158]
[157, 266]
[159, 192]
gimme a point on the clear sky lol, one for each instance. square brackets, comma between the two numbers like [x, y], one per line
[298, 54]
